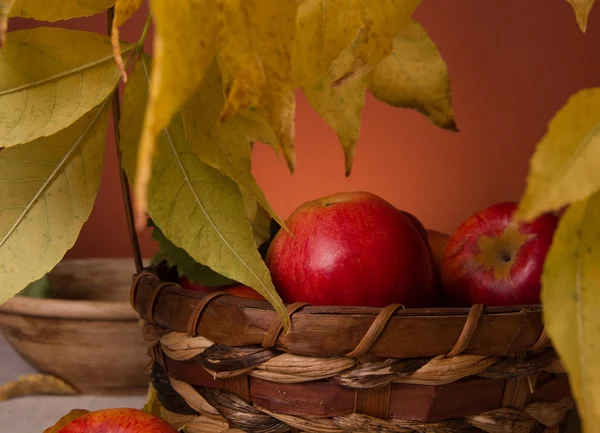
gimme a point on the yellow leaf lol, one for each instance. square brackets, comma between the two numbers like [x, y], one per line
[255, 126]
[47, 190]
[382, 20]
[571, 302]
[66, 420]
[58, 10]
[152, 405]
[236, 54]
[124, 9]
[222, 145]
[564, 167]
[271, 29]
[257, 129]
[5, 7]
[196, 207]
[176, 75]
[582, 10]
[50, 78]
[340, 106]
[323, 30]
[35, 384]
[415, 76]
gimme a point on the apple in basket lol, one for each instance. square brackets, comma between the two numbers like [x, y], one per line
[493, 259]
[351, 248]
[122, 420]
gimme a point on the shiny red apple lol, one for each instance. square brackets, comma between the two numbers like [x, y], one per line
[187, 284]
[122, 420]
[437, 244]
[437, 279]
[243, 291]
[495, 260]
[351, 248]
[239, 290]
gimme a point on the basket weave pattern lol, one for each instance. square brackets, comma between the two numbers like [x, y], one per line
[222, 363]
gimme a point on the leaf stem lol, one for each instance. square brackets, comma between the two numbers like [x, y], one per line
[125, 192]
[140, 43]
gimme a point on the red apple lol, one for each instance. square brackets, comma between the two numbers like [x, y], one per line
[123, 420]
[237, 290]
[437, 279]
[244, 292]
[351, 248]
[494, 260]
[187, 284]
[417, 223]
[437, 245]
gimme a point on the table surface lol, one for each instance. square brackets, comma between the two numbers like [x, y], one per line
[37, 413]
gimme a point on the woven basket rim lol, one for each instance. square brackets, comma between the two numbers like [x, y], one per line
[330, 330]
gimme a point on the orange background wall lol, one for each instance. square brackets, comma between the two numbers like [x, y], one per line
[513, 63]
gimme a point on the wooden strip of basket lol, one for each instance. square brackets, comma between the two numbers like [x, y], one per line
[261, 415]
[327, 331]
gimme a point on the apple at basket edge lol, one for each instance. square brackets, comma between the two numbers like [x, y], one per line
[122, 420]
[495, 260]
[351, 248]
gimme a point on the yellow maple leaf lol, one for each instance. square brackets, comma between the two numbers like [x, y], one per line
[340, 106]
[582, 10]
[66, 420]
[323, 30]
[236, 55]
[35, 384]
[5, 7]
[124, 9]
[267, 41]
[176, 74]
[571, 302]
[564, 167]
[382, 21]
[415, 76]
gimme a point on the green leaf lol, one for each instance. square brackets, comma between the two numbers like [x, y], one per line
[564, 167]
[323, 31]
[415, 76]
[50, 77]
[197, 208]
[41, 288]
[186, 265]
[571, 302]
[259, 218]
[222, 145]
[340, 106]
[582, 10]
[58, 10]
[47, 191]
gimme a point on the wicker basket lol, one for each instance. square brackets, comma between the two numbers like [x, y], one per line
[222, 363]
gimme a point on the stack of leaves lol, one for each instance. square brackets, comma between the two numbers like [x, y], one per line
[189, 118]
